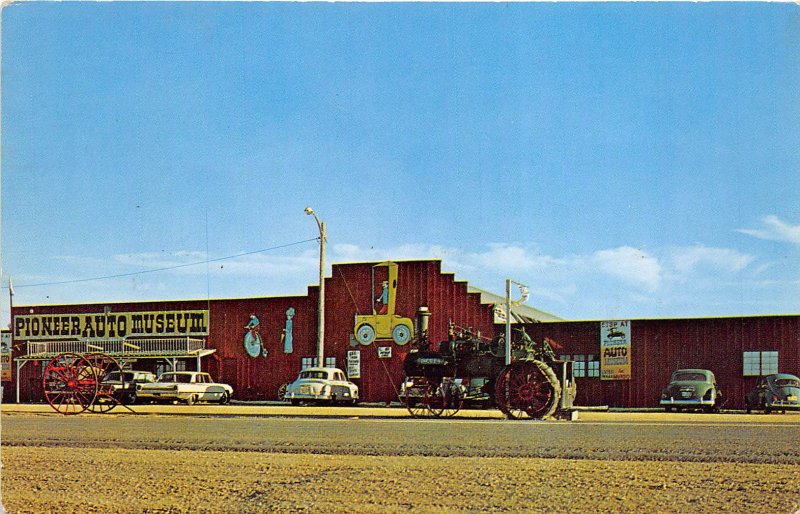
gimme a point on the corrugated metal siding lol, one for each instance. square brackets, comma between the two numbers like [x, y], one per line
[662, 346]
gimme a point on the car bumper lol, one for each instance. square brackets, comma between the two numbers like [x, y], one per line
[783, 405]
[691, 402]
[164, 395]
[307, 396]
[318, 396]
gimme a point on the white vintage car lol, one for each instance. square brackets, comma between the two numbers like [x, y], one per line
[322, 385]
[184, 386]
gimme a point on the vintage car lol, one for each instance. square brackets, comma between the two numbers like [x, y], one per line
[124, 383]
[184, 386]
[322, 385]
[692, 389]
[780, 391]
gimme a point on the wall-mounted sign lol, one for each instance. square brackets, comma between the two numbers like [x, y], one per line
[119, 324]
[384, 352]
[5, 357]
[615, 350]
[354, 364]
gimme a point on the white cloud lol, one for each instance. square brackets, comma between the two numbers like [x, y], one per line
[344, 252]
[687, 260]
[775, 230]
[630, 264]
[621, 281]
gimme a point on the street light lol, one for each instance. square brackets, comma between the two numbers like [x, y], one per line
[321, 308]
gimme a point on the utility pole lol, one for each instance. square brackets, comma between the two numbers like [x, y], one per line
[321, 308]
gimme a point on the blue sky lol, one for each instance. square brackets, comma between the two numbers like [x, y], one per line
[624, 160]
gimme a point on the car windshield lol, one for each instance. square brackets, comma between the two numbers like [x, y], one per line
[688, 377]
[314, 374]
[175, 377]
[787, 382]
[114, 377]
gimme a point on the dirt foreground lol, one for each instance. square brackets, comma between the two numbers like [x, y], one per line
[127, 481]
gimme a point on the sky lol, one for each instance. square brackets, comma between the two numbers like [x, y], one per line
[623, 160]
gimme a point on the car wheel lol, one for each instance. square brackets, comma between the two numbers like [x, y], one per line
[282, 392]
[668, 409]
[224, 398]
[129, 398]
[767, 410]
[295, 402]
[190, 400]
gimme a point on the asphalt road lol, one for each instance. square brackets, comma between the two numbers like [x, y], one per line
[609, 436]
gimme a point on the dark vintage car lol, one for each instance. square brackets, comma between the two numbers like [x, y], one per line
[780, 391]
[124, 384]
[692, 389]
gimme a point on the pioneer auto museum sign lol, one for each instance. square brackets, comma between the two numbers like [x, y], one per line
[116, 325]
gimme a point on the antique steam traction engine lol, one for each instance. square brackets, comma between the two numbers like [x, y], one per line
[470, 369]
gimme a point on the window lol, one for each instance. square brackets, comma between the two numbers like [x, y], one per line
[593, 367]
[311, 362]
[760, 363]
[583, 365]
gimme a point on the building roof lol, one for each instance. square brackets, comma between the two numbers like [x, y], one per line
[519, 313]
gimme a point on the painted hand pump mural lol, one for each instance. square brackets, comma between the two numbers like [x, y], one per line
[383, 323]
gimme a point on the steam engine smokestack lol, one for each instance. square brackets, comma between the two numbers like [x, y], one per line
[423, 315]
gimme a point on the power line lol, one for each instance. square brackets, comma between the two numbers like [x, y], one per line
[166, 268]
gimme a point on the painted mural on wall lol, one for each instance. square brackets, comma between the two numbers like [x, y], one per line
[615, 350]
[383, 323]
[287, 331]
[29, 327]
[252, 338]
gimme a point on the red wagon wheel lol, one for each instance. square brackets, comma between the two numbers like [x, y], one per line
[527, 388]
[107, 396]
[70, 383]
[416, 396]
[445, 399]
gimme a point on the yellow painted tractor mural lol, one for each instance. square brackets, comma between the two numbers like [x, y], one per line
[383, 323]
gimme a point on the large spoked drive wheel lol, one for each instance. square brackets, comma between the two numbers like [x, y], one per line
[70, 383]
[527, 388]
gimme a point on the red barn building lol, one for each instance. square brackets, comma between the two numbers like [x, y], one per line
[211, 334]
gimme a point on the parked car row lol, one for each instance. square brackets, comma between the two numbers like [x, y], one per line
[318, 385]
[698, 389]
[688, 389]
[132, 387]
